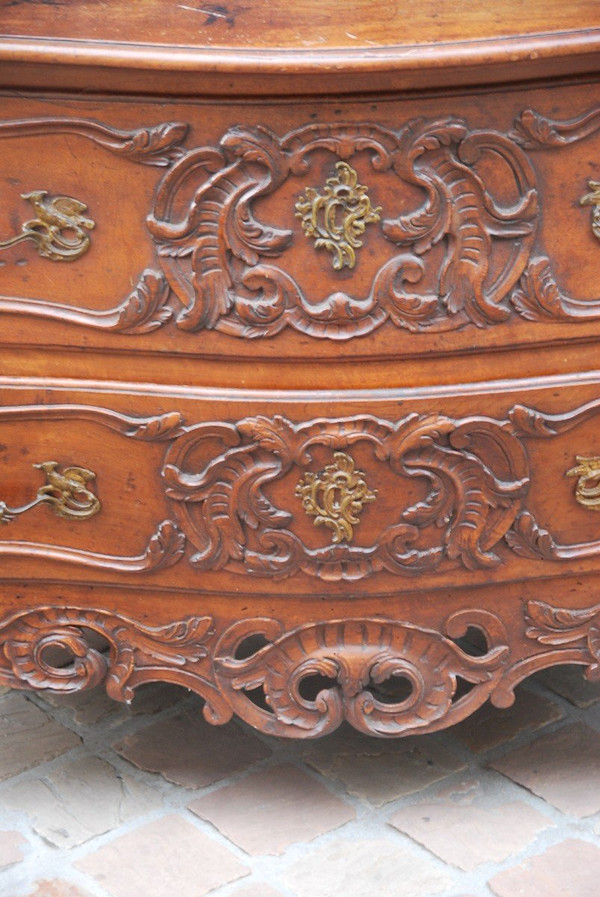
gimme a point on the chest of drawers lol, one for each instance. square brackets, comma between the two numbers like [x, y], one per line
[300, 321]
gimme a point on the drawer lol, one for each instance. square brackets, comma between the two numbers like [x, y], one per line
[394, 229]
[241, 492]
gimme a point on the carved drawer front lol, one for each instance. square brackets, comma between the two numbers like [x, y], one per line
[239, 491]
[396, 228]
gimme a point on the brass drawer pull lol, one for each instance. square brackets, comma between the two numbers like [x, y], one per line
[59, 228]
[593, 199]
[66, 492]
[587, 488]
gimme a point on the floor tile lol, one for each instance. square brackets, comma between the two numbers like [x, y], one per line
[79, 800]
[356, 868]
[562, 767]
[29, 736]
[381, 771]
[491, 726]
[268, 811]
[188, 751]
[569, 869]
[469, 835]
[168, 856]
[11, 848]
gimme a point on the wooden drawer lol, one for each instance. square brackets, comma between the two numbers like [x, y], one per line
[305, 560]
[230, 492]
[331, 231]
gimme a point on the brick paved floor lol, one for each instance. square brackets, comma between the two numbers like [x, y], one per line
[101, 800]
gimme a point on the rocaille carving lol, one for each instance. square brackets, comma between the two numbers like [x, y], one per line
[65, 491]
[137, 653]
[386, 677]
[473, 474]
[59, 228]
[218, 257]
[364, 659]
[475, 468]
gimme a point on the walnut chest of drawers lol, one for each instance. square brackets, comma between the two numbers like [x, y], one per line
[300, 387]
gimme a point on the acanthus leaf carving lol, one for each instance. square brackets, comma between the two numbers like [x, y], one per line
[142, 311]
[215, 257]
[230, 518]
[158, 145]
[252, 299]
[574, 633]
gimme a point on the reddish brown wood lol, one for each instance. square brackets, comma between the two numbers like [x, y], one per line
[313, 482]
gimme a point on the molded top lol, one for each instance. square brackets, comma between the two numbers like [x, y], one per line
[315, 46]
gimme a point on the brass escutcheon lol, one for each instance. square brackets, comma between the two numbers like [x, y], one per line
[337, 218]
[59, 228]
[335, 496]
[66, 492]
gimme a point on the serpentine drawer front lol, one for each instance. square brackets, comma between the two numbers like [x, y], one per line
[299, 401]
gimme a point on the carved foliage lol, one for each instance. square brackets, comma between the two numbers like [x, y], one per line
[215, 255]
[574, 634]
[475, 469]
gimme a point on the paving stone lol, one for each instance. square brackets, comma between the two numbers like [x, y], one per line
[268, 811]
[570, 683]
[491, 726]
[28, 736]
[188, 751]
[569, 869]
[57, 888]
[382, 771]
[11, 848]
[79, 800]
[355, 868]
[562, 767]
[92, 707]
[166, 856]
[468, 835]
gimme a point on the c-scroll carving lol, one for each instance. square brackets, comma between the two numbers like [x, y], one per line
[137, 653]
[215, 255]
[476, 472]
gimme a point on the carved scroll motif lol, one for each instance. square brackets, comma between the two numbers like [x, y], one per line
[469, 477]
[175, 652]
[219, 258]
[365, 661]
